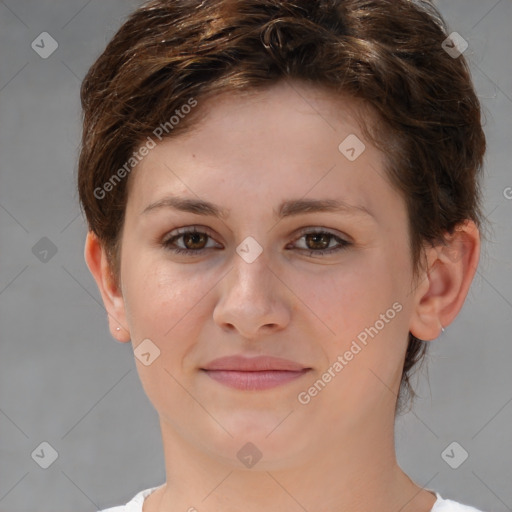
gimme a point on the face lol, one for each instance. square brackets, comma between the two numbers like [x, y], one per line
[329, 291]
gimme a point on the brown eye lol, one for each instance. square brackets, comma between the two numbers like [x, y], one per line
[317, 242]
[193, 241]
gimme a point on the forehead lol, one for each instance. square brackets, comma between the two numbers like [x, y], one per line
[284, 140]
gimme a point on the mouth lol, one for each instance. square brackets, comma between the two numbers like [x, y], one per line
[256, 373]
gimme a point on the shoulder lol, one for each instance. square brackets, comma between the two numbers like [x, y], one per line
[443, 505]
[135, 504]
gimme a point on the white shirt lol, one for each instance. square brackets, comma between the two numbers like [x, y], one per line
[135, 504]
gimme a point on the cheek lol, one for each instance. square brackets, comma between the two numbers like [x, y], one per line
[162, 300]
[172, 305]
[163, 306]
[349, 299]
[363, 306]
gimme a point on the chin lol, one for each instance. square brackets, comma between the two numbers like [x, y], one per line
[261, 440]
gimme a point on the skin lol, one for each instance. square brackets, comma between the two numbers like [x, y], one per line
[250, 153]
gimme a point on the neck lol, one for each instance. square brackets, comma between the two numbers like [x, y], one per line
[355, 473]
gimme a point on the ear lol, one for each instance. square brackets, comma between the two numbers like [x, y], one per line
[443, 289]
[96, 259]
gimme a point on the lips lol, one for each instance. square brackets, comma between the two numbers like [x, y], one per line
[255, 373]
[253, 364]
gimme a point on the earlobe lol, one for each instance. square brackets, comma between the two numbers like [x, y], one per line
[445, 285]
[96, 260]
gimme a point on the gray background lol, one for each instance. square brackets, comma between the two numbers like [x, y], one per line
[65, 381]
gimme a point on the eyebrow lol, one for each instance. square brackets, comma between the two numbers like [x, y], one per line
[286, 209]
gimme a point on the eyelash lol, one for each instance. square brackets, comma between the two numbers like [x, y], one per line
[168, 244]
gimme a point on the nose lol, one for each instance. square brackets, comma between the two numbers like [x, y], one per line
[253, 300]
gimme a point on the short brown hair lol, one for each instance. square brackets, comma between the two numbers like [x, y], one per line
[387, 53]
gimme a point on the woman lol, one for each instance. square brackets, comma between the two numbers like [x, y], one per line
[283, 207]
